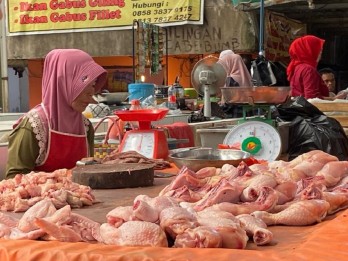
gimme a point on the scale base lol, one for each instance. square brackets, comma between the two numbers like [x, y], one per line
[150, 143]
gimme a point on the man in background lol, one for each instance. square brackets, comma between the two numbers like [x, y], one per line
[328, 76]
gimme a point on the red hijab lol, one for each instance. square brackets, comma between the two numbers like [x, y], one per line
[306, 50]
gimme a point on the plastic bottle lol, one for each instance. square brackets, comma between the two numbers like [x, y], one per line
[172, 98]
[135, 105]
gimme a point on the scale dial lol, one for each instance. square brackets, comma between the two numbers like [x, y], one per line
[142, 142]
[258, 138]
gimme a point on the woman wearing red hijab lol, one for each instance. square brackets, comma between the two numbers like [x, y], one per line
[55, 134]
[305, 53]
[305, 80]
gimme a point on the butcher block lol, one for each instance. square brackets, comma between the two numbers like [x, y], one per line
[111, 176]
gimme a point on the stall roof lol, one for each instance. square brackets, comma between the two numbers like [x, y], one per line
[321, 16]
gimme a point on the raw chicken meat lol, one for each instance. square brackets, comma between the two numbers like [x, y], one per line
[134, 233]
[206, 172]
[199, 237]
[175, 220]
[149, 209]
[256, 228]
[44, 208]
[314, 155]
[254, 184]
[286, 192]
[314, 163]
[222, 192]
[88, 229]
[119, 215]
[23, 191]
[333, 172]
[312, 191]
[61, 233]
[267, 199]
[232, 234]
[185, 194]
[301, 213]
[185, 177]
[17, 234]
[338, 200]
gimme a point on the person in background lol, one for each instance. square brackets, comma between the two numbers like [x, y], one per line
[329, 79]
[305, 53]
[237, 72]
[55, 134]
[238, 75]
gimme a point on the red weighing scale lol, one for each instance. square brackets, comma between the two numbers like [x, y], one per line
[152, 143]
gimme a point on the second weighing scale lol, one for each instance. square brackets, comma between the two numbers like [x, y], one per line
[257, 136]
[151, 143]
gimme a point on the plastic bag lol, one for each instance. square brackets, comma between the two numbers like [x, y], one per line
[310, 129]
[294, 107]
[267, 73]
[261, 72]
[99, 110]
[317, 133]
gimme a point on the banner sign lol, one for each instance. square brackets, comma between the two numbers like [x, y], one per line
[280, 32]
[63, 16]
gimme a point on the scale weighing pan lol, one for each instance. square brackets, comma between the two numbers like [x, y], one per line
[144, 117]
[256, 95]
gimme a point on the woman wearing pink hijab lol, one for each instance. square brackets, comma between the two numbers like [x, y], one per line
[55, 134]
[235, 68]
[237, 75]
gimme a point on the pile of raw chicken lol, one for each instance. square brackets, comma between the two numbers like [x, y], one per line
[23, 191]
[214, 207]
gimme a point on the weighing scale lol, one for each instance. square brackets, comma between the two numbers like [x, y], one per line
[151, 143]
[257, 136]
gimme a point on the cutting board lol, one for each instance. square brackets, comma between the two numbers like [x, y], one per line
[111, 176]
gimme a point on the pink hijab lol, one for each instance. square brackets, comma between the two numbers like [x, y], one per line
[66, 73]
[235, 67]
[306, 50]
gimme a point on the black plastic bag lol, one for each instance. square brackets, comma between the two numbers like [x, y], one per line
[317, 133]
[294, 107]
[279, 72]
[261, 75]
[311, 129]
[267, 73]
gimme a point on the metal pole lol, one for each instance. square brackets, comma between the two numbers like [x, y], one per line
[262, 22]
[3, 60]
[135, 26]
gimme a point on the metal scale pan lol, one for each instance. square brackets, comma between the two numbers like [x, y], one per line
[256, 95]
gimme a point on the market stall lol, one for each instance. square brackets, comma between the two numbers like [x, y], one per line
[324, 241]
